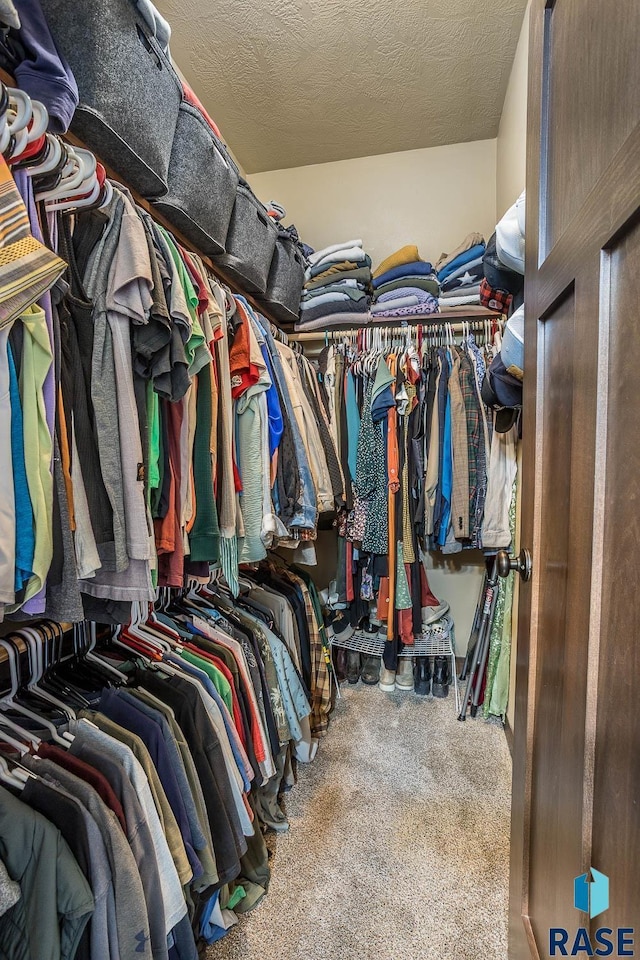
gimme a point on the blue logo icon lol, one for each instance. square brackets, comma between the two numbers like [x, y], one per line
[591, 892]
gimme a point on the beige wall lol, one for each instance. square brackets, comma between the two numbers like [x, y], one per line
[431, 197]
[511, 153]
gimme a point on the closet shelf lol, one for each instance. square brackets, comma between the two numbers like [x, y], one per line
[437, 641]
[455, 316]
[217, 271]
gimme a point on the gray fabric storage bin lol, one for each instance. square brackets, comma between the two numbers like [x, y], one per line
[251, 240]
[130, 94]
[286, 280]
[202, 180]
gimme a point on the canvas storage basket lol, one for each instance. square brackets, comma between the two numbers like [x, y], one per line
[202, 183]
[130, 94]
[286, 280]
[251, 241]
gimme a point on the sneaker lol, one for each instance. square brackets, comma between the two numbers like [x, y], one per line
[433, 614]
[370, 670]
[404, 674]
[422, 676]
[387, 680]
[441, 677]
[353, 666]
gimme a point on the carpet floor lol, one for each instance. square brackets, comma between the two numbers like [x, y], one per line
[399, 841]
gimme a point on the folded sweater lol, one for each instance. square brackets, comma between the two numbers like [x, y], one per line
[471, 240]
[413, 312]
[327, 269]
[321, 254]
[333, 296]
[421, 295]
[460, 301]
[344, 306]
[361, 274]
[464, 258]
[418, 268]
[470, 273]
[408, 301]
[406, 254]
[428, 283]
[467, 291]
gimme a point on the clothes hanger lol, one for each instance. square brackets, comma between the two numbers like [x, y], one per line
[36, 646]
[8, 777]
[8, 702]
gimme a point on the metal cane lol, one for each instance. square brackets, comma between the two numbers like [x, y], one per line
[488, 608]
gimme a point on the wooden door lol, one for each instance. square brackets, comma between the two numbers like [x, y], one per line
[576, 784]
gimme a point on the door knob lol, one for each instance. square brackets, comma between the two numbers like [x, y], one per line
[521, 563]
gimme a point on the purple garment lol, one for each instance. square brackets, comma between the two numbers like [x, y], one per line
[36, 605]
[407, 313]
[423, 295]
[44, 74]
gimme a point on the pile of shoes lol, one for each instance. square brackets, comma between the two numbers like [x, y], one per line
[421, 675]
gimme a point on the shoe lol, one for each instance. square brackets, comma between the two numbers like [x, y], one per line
[370, 670]
[422, 676]
[353, 666]
[441, 677]
[433, 614]
[404, 674]
[340, 663]
[387, 680]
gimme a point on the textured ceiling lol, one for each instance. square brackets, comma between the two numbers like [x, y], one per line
[291, 82]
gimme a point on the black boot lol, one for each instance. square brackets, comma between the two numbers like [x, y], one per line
[340, 663]
[353, 666]
[422, 676]
[441, 677]
[370, 670]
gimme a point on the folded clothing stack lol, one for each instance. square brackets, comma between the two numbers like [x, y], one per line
[337, 287]
[405, 286]
[460, 273]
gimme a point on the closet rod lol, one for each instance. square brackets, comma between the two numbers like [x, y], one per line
[11, 627]
[217, 271]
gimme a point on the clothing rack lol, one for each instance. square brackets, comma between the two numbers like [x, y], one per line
[215, 268]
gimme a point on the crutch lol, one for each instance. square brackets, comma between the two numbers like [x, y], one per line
[481, 649]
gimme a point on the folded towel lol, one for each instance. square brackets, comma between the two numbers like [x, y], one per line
[406, 254]
[471, 240]
[467, 257]
[320, 254]
[344, 306]
[418, 268]
[333, 274]
[394, 304]
[429, 283]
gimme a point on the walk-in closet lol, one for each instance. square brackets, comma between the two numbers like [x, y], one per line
[318, 471]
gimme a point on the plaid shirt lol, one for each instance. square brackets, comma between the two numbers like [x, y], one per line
[321, 696]
[493, 298]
